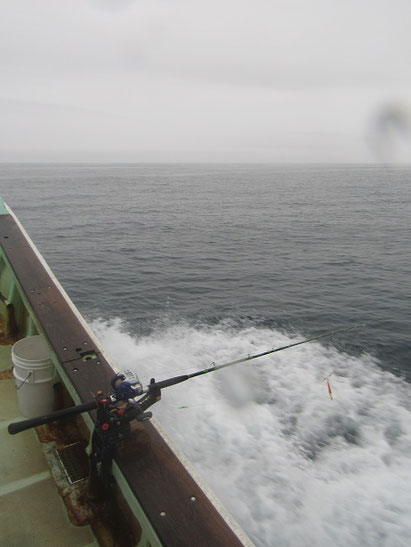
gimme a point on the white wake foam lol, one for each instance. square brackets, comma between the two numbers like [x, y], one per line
[292, 466]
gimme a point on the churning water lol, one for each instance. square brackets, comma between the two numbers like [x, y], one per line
[177, 266]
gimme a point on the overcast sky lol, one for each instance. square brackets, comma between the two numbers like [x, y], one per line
[182, 80]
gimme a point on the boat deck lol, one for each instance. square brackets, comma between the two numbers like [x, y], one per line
[31, 509]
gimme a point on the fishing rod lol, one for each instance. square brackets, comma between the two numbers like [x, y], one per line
[126, 386]
[116, 410]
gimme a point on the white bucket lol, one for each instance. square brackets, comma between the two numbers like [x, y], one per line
[34, 374]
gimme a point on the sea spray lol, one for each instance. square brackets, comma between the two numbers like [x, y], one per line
[292, 466]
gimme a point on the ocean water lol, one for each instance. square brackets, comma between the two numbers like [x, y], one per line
[177, 266]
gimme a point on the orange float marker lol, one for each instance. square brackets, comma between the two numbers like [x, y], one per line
[330, 392]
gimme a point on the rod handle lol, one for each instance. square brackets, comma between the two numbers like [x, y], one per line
[17, 427]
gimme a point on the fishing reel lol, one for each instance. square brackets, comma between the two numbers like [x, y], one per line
[119, 408]
[126, 385]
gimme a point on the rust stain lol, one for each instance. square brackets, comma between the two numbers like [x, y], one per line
[6, 374]
[8, 339]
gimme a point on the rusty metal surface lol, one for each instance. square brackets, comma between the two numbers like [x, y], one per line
[112, 523]
[177, 508]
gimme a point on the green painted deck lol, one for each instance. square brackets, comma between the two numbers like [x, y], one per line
[31, 510]
[3, 210]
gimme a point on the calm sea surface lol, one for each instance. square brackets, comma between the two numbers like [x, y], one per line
[176, 266]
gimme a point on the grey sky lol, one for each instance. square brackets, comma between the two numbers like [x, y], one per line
[182, 80]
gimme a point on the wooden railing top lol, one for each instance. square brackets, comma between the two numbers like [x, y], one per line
[157, 478]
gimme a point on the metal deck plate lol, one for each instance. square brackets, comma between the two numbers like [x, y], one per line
[74, 462]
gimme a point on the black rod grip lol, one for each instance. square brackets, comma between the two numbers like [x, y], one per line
[16, 427]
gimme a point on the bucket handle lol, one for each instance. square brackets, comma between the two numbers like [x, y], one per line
[25, 380]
